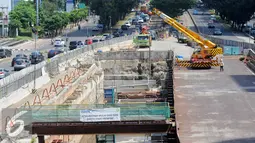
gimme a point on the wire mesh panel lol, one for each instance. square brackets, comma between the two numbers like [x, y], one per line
[61, 113]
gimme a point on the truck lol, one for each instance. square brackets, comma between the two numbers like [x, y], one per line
[143, 39]
[205, 56]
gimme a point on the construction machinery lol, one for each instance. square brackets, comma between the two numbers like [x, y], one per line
[143, 39]
[203, 57]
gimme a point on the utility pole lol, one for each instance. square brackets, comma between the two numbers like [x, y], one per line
[34, 30]
[3, 8]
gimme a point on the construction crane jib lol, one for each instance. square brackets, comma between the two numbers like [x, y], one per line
[177, 26]
[207, 49]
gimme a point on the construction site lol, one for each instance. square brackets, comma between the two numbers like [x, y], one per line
[139, 90]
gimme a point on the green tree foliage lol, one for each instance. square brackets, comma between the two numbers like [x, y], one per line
[235, 11]
[116, 9]
[52, 17]
[77, 15]
[172, 8]
[22, 15]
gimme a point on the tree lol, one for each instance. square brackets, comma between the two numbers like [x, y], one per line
[56, 23]
[23, 14]
[113, 10]
[235, 12]
[173, 8]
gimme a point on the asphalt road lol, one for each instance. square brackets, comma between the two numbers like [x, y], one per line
[45, 47]
[214, 106]
[228, 34]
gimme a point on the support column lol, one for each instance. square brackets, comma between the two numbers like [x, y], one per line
[41, 139]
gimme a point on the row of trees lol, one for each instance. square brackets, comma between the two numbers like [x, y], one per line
[235, 12]
[115, 10]
[52, 20]
[173, 8]
[111, 11]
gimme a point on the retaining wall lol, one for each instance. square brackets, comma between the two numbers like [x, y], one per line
[20, 84]
[135, 55]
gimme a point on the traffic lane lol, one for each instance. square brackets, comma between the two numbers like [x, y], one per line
[228, 34]
[202, 22]
[44, 49]
[188, 22]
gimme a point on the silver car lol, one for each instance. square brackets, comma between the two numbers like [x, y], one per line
[21, 64]
[4, 73]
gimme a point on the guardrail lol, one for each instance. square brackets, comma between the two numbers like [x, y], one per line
[18, 79]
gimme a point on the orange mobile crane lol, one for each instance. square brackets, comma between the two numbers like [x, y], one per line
[202, 57]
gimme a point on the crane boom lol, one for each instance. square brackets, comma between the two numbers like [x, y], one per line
[200, 56]
[191, 34]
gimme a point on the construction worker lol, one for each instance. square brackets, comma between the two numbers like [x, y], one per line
[221, 65]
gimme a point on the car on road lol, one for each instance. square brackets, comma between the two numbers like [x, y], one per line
[73, 45]
[95, 29]
[88, 41]
[103, 38]
[4, 73]
[107, 36]
[211, 25]
[140, 20]
[213, 19]
[81, 44]
[4, 53]
[195, 12]
[54, 52]
[124, 27]
[58, 42]
[217, 32]
[100, 26]
[128, 24]
[21, 64]
[36, 57]
[96, 40]
[18, 56]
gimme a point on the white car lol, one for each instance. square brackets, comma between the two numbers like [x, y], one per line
[58, 42]
[140, 20]
[128, 24]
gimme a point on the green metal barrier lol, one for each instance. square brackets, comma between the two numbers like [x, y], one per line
[61, 113]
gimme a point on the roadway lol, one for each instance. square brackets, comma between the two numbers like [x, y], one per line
[214, 106]
[228, 34]
[45, 46]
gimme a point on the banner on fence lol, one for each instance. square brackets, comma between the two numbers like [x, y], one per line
[99, 115]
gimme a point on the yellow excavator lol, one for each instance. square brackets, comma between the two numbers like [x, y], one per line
[202, 57]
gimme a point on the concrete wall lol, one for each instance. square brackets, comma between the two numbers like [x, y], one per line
[21, 93]
[135, 55]
[19, 85]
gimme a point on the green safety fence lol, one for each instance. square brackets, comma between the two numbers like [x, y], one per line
[61, 113]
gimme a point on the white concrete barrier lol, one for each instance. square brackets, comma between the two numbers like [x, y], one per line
[24, 91]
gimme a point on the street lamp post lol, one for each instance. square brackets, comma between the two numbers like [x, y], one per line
[34, 30]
